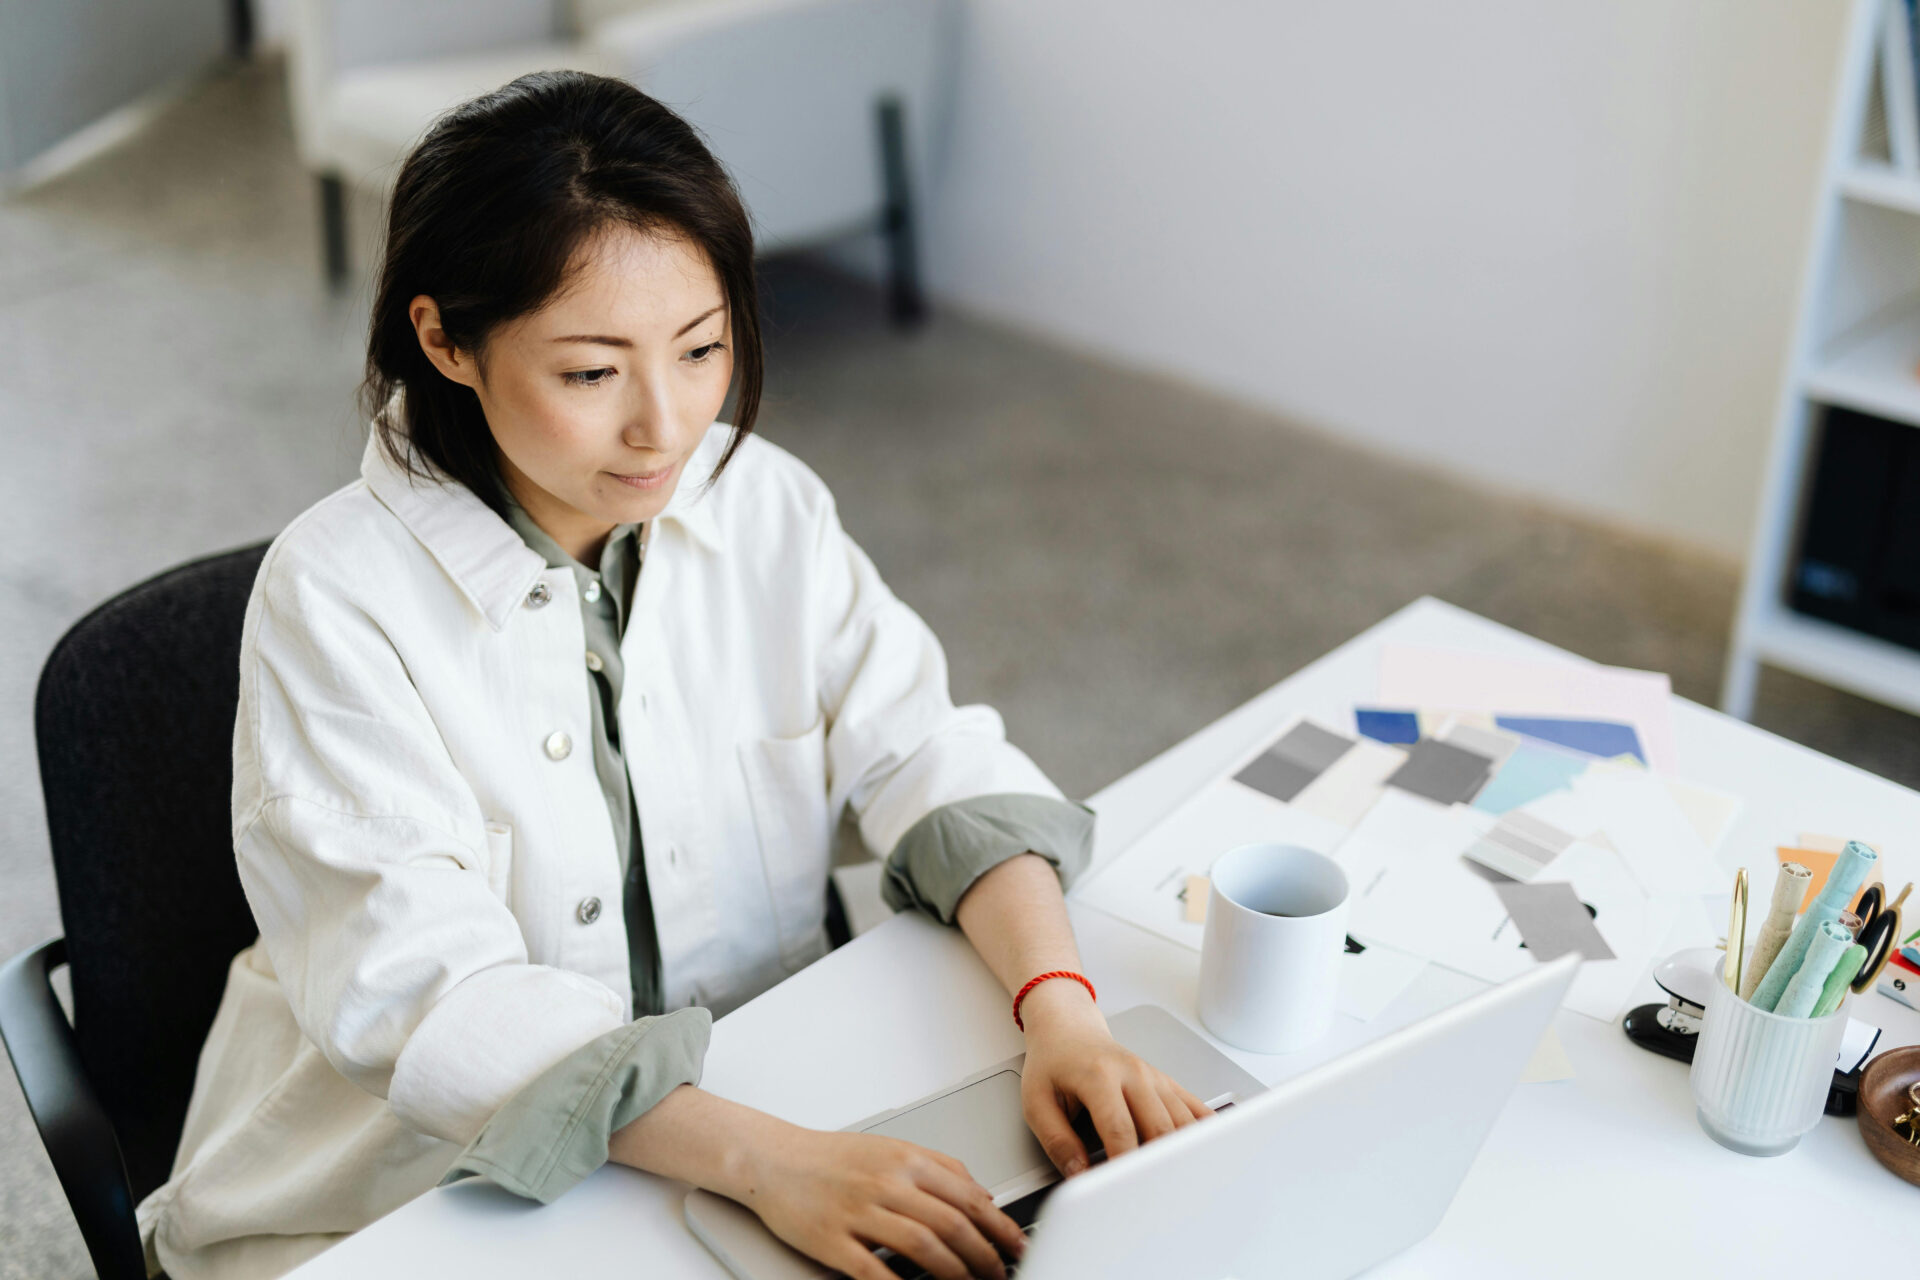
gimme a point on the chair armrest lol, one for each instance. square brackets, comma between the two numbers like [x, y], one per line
[73, 1125]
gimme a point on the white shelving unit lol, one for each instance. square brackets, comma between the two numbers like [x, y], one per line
[1856, 345]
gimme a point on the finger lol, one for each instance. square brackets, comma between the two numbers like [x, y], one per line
[858, 1263]
[961, 1234]
[1150, 1118]
[1111, 1119]
[1176, 1106]
[1200, 1109]
[1048, 1120]
[972, 1199]
[914, 1239]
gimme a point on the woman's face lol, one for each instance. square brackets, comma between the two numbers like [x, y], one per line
[597, 400]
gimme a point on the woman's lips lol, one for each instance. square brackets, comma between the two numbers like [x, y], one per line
[644, 479]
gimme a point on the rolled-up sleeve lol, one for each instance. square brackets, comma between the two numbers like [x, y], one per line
[940, 856]
[898, 748]
[555, 1131]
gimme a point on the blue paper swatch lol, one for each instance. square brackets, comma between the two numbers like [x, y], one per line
[1601, 739]
[1396, 727]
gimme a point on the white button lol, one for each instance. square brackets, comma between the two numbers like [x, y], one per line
[593, 662]
[538, 597]
[588, 911]
[592, 592]
[559, 745]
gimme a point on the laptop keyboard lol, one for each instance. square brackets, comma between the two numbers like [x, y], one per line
[1025, 1211]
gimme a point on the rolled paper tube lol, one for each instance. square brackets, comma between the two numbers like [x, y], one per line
[1849, 870]
[1837, 982]
[1823, 953]
[1789, 891]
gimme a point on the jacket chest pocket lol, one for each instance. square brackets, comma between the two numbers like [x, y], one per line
[787, 788]
[500, 861]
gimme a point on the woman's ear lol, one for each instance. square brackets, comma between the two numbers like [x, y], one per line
[458, 365]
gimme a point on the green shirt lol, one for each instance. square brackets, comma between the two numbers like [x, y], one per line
[555, 1131]
[606, 598]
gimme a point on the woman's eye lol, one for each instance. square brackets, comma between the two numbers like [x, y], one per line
[699, 355]
[587, 377]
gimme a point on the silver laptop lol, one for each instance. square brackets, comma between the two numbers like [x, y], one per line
[1322, 1176]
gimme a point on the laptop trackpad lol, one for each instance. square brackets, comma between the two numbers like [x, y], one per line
[981, 1126]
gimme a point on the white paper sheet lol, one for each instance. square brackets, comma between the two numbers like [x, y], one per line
[1417, 676]
[1415, 892]
[1660, 845]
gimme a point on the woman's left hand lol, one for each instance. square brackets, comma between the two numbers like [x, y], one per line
[1074, 1064]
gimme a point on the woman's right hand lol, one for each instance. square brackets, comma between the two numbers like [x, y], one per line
[835, 1195]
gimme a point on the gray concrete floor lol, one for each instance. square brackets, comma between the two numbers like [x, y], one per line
[1111, 559]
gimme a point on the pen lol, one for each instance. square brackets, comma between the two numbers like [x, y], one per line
[1849, 871]
[1839, 980]
[1803, 991]
[1789, 891]
[1737, 932]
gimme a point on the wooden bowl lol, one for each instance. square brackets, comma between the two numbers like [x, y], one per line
[1883, 1095]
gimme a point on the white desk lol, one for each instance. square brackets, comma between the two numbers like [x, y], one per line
[1607, 1174]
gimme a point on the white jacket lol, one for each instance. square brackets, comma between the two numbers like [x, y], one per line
[421, 834]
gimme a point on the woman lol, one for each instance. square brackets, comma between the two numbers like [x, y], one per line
[516, 818]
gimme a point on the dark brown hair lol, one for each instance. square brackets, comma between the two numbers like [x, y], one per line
[487, 215]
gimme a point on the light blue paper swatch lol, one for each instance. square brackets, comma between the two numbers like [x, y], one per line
[1529, 773]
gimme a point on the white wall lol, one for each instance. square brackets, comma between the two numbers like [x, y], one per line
[1553, 247]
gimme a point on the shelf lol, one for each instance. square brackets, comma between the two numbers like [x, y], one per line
[1841, 657]
[1873, 370]
[1871, 182]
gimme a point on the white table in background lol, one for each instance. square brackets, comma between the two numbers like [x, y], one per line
[1606, 1174]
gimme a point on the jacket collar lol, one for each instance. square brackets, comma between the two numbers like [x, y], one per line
[490, 563]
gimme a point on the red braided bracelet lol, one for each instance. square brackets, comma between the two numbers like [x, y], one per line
[1057, 973]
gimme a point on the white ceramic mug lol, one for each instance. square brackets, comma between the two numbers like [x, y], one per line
[1269, 963]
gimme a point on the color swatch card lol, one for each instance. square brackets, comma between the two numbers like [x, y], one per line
[1598, 739]
[1301, 754]
[1442, 772]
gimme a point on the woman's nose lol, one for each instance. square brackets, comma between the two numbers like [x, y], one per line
[651, 420]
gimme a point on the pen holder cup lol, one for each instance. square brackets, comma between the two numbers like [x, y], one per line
[1760, 1080]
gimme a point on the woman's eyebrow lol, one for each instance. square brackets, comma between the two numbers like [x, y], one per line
[602, 340]
[697, 319]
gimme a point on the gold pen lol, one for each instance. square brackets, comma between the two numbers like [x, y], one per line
[1737, 932]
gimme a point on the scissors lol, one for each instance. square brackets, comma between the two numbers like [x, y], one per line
[1879, 931]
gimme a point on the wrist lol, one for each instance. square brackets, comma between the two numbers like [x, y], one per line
[751, 1148]
[1058, 1003]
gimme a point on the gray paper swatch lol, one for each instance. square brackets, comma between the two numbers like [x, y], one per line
[1553, 921]
[1301, 755]
[1310, 745]
[1276, 776]
[1442, 772]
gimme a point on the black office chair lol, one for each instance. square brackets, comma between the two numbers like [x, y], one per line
[134, 722]
[134, 725]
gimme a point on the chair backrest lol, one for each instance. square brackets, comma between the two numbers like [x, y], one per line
[327, 37]
[134, 723]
